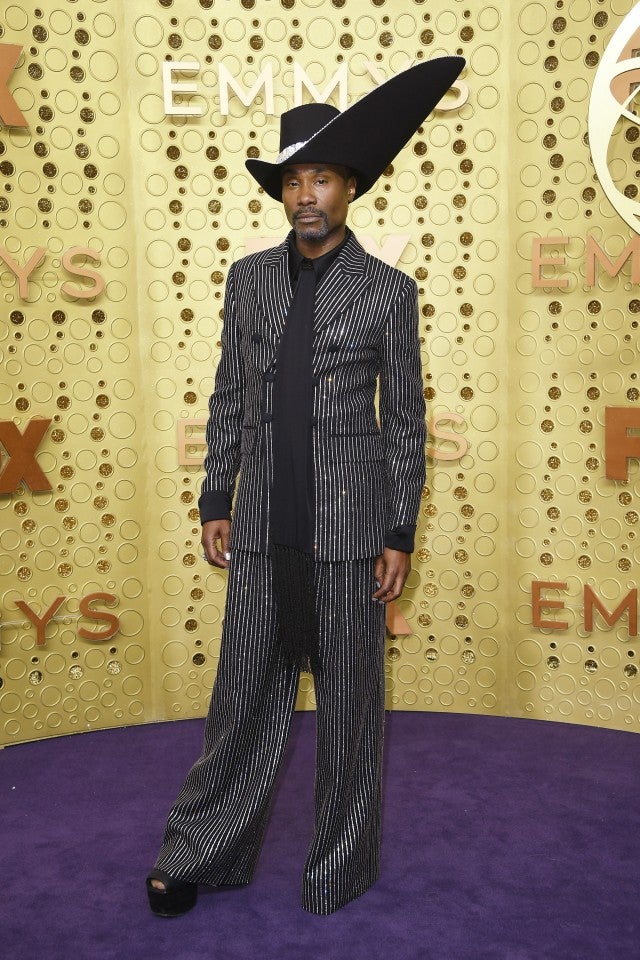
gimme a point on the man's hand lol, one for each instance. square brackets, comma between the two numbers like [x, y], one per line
[214, 531]
[391, 570]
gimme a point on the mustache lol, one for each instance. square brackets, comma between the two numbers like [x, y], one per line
[305, 213]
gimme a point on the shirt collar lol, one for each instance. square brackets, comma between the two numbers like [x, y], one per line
[320, 264]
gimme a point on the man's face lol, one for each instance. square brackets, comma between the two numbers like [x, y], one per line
[316, 199]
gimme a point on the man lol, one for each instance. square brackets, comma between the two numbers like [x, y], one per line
[325, 510]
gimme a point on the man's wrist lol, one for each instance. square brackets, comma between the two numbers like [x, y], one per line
[401, 538]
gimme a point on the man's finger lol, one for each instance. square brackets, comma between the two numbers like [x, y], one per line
[394, 570]
[379, 572]
[215, 558]
[388, 592]
[211, 534]
[386, 585]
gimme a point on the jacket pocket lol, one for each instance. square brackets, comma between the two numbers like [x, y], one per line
[357, 447]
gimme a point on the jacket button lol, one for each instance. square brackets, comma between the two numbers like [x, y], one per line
[315, 381]
[334, 346]
[314, 421]
[267, 418]
[269, 376]
[256, 337]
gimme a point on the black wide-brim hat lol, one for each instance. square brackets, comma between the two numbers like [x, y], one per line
[365, 137]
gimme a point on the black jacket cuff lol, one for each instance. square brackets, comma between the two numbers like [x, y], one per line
[401, 538]
[215, 505]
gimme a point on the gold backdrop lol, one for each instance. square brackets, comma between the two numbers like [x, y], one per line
[123, 201]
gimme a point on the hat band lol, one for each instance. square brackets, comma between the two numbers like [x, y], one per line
[289, 151]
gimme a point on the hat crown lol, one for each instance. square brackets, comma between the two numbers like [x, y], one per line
[302, 123]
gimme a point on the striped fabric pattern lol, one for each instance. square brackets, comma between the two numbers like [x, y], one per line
[215, 828]
[368, 479]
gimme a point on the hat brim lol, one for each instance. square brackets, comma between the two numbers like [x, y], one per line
[368, 135]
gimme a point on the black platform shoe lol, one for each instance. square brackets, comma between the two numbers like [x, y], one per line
[178, 896]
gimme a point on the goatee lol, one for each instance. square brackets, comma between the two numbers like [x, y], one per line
[307, 231]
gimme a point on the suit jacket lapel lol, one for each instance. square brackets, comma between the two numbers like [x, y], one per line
[342, 283]
[273, 294]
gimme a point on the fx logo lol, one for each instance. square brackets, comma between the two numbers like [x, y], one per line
[22, 463]
[10, 113]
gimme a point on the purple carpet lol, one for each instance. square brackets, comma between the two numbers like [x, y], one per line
[503, 839]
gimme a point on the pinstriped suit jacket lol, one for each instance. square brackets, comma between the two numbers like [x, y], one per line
[368, 479]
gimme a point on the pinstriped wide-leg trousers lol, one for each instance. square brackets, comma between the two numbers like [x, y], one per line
[215, 828]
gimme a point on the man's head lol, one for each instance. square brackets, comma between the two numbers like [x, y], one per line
[316, 198]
